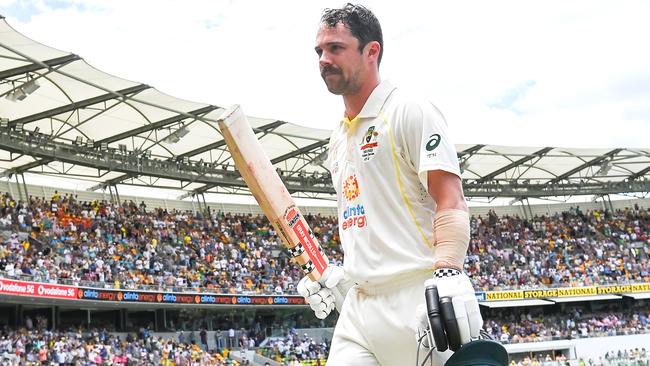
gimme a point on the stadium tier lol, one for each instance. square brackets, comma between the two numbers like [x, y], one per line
[99, 245]
[98, 347]
[137, 268]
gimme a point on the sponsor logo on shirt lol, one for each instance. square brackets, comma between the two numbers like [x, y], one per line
[355, 214]
[432, 144]
[369, 144]
[351, 188]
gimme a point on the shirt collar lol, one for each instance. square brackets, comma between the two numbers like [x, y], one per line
[375, 102]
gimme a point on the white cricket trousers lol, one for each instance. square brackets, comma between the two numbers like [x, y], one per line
[377, 325]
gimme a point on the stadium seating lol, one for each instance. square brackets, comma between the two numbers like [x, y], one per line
[97, 347]
[533, 325]
[292, 348]
[568, 249]
[131, 246]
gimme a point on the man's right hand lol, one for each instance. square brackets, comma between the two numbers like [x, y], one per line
[327, 293]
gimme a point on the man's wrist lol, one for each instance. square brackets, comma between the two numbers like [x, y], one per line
[446, 264]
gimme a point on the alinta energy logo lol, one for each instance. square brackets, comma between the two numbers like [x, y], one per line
[351, 188]
[354, 215]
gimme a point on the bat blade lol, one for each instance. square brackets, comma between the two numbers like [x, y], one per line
[270, 192]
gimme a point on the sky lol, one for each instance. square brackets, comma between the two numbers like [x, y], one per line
[518, 73]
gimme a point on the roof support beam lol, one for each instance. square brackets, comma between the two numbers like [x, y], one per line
[470, 151]
[264, 128]
[131, 165]
[300, 151]
[128, 164]
[25, 167]
[274, 161]
[35, 67]
[491, 176]
[587, 164]
[156, 125]
[80, 104]
[639, 174]
[111, 182]
[518, 190]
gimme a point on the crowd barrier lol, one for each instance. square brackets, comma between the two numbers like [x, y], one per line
[57, 291]
[47, 290]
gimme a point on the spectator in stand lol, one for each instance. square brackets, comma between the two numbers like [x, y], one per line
[568, 249]
[123, 246]
[293, 349]
[518, 326]
[20, 347]
[130, 246]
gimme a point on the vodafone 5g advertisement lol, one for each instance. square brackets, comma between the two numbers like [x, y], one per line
[35, 289]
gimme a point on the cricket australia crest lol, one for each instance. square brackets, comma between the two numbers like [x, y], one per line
[369, 144]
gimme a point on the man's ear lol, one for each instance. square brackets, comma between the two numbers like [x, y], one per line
[373, 48]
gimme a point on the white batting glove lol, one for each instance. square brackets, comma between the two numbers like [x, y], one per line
[455, 285]
[422, 334]
[326, 294]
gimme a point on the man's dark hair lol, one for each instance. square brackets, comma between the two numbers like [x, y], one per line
[361, 22]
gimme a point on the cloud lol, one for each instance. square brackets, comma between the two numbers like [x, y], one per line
[555, 73]
[510, 98]
[18, 9]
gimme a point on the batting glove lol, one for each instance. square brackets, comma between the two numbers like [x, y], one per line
[327, 293]
[455, 319]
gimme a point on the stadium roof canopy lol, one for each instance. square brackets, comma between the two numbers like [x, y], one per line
[61, 116]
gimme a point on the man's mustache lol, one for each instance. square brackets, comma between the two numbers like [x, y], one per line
[330, 70]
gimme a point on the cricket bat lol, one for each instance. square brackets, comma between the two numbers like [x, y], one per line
[271, 194]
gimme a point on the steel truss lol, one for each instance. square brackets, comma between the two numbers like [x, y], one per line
[140, 170]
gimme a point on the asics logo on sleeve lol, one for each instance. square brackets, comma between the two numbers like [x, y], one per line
[434, 141]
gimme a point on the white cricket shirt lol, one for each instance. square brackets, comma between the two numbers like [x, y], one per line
[379, 163]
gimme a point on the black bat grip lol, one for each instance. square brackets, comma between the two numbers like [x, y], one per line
[435, 318]
[451, 325]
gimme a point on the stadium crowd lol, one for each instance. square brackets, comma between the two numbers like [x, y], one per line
[626, 357]
[572, 248]
[514, 326]
[293, 349]
[36, 347]
[631, 357]
[128, 246]
[63, 239]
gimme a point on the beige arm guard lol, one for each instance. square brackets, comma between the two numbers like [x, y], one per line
[450, 238]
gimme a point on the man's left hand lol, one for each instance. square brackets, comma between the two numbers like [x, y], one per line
[456, 286]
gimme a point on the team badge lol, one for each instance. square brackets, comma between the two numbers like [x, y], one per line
[351, 188]
[369, 144]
